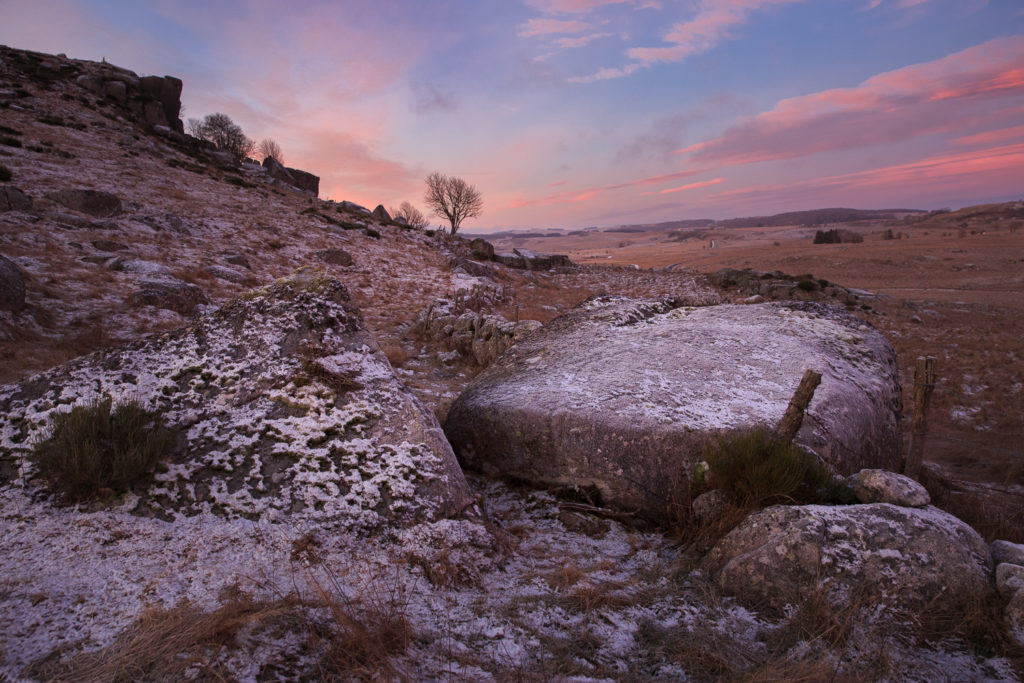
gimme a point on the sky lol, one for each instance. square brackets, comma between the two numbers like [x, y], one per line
[578, 113]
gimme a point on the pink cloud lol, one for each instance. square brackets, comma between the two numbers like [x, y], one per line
[988, 137]
[981, 173]
[568, 43]
[573, 6]
[574, 196]
[706, 30]
[977, 87]
[690, 186]
[548, 26]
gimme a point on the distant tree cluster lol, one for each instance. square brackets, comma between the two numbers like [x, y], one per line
[270, 148]
[837, 236]
[220, 130]
[410, 214]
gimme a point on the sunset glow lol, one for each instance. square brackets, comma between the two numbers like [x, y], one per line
[573, 113]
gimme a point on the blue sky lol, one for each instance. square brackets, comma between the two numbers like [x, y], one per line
[571, 113]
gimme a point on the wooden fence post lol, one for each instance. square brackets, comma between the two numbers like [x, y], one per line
[794, 416]
[924, 382]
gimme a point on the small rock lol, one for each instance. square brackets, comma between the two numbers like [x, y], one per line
[882, 486]
[92, 202]
[584, 524]
[13, 199]
[1004, 551]
[756, 299]
[381, 214]
[1009, 579]
[12, 286]
[709, 506]
[335, 257]
[140, 267]
[229, 274]
[238, 260]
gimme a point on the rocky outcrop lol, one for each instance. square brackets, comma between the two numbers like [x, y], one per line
[287, 407]
[528, 259]
[623, 394]
[482, 249]
[307, 182]
[476, 337]
[12, 286]
[381, 214]
[13, 199]
[881, 556]
[751, 284]
[94, 203]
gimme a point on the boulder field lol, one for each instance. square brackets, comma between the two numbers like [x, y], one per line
[285, 408]
[622, 395]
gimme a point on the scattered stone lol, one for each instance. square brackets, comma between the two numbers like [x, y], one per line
[229, 274]
[381, 214]
[238, 260]
[1014, 615]
[881, 486]
[353, 207]
[12, 286]
[1009, 579]
[13, 199]
[109, 245]
[92, 202]
[141, 267]
[169, 293]
[756, 299]
[883, 556]
[623, 394]
[510, 260]
[335, 257]
[292, 411]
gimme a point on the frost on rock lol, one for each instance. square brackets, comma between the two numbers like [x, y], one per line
[622, 394]
[286, 405]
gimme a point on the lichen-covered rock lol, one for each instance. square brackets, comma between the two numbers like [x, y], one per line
[623, 394]
[287, 406]
[335, 257]
[882, 486]
[225, 273]
[882, 555]
[1014, 615]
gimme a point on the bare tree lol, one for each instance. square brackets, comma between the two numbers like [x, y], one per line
[224, 133]
[410, 214]
[453, 198]
[270, 148]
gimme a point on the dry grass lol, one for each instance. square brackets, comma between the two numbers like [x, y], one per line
[163, 644]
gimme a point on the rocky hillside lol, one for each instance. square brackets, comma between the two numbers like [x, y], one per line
[305, 516]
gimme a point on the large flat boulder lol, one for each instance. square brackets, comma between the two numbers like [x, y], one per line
[877, 555]
[623, 394]
[286, 407]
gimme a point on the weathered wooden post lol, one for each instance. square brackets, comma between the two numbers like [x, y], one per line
[794, 416]
[924, 383]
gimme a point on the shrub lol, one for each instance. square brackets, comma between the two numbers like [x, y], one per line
[370, 232]
[5, 174]
[807, 285]
[96, 449]
[755, 469]
[224, 133]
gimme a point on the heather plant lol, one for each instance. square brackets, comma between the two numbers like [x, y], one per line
[98, 449]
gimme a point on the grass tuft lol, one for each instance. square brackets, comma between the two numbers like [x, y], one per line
[97, 450]
[755, 469]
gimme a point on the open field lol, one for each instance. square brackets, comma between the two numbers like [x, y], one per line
[951, 286]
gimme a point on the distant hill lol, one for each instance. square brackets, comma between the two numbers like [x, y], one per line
[818, 217]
